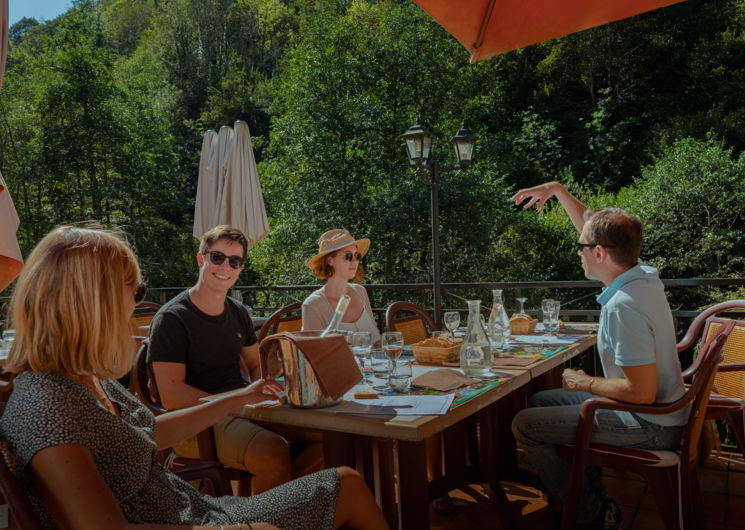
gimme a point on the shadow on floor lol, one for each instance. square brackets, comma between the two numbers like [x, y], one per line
[722, 484]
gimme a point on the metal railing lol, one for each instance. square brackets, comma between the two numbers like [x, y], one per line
[577, 297]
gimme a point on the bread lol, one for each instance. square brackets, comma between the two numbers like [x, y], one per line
[438, 342]
[521, 317]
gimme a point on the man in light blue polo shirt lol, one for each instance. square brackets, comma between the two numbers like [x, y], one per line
[636, 344]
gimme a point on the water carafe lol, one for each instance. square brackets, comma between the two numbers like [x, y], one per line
[475, 353]
[499, 323]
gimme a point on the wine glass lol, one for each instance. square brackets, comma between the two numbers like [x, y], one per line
[393, 343]
[360, 342]
[521, 301]
[452, 321]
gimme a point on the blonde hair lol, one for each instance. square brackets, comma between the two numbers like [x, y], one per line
[68, 308]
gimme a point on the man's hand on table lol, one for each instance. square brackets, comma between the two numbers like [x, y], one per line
[574, 380]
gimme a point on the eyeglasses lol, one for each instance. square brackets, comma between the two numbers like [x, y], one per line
[348, 256]
[583, 246]
[140, 292]
[218, 258]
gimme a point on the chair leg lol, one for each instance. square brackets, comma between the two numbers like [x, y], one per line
[663, 482]
[735, 419]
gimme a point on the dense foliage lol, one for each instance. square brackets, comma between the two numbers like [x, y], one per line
[103, 110]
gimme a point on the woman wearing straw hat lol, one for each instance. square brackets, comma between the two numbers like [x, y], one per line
[338, 260]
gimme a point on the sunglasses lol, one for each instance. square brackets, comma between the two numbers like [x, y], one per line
[583, 246]
[348, 256]
[140, 293]
[218, 258]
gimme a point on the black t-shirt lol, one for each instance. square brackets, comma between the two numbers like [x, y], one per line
[209, 346]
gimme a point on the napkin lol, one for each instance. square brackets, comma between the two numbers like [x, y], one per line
[443, 379]
[330, 357]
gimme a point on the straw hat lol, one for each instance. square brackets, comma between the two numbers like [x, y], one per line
[334, 240]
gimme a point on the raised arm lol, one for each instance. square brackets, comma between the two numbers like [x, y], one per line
[538, 195]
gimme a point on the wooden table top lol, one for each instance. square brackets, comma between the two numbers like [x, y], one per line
[400, 427]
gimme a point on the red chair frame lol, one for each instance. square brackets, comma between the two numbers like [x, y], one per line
[278, 317]
[418, 314]
[660, 475]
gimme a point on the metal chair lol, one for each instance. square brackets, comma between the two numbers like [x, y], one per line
[143, 383]
[413, 326]
[728, 398]
[666, 472]
[282, 320]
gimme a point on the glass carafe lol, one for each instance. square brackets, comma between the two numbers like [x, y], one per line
[499, 325]
[475, 353]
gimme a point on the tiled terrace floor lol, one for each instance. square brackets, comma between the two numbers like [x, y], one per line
[722, 483]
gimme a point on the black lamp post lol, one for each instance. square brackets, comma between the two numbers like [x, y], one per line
[418, 143]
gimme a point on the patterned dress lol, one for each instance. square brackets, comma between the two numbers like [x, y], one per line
[47, 409]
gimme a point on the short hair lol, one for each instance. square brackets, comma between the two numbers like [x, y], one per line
[68, 309]
[620, 232]
[321, 269]
[212, 235]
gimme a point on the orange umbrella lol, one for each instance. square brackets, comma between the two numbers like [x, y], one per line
[11, 260]
[491, 27]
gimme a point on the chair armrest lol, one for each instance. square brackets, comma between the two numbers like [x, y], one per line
[212, 471]
[587, 413]
[732, 367]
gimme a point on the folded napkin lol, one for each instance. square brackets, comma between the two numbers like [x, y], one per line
[443, 379]
[330, 357]
[515, 361]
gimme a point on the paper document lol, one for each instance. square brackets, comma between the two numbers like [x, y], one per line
[558, 340]
[395, 405]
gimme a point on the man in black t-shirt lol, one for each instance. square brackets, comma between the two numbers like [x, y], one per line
[197, 341]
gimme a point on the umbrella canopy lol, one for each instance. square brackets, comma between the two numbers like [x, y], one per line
[228, 191]
[204, 208]
[491, 27]
[11, 260]
[241, 203]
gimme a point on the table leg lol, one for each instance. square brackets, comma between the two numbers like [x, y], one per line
[413, 485]
[385, 493]
[493, 462]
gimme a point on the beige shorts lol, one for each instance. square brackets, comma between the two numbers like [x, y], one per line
[232, 436]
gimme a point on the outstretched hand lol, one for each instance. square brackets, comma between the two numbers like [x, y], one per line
[261, 390]
[537, 195]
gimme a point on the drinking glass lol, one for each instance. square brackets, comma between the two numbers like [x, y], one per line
[551, 309]
[379, 363]
[393, 343]
[400, 379]
[360, 342]
[521, 301]
[451, 320]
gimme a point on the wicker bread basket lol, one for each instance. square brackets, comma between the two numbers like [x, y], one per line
[523, 327]
[429, 355]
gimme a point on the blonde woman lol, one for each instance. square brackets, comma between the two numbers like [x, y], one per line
[338, 261]
[84, 449]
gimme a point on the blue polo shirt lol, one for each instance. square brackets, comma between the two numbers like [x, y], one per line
[636, 328]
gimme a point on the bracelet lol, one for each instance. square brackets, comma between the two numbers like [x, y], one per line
[589, 389]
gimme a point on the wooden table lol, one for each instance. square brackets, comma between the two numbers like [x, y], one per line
[389, 452]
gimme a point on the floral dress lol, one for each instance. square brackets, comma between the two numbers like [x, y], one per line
[47, 409]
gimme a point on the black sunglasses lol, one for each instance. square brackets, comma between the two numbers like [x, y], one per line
[140, 292]
[218, 258]
[349, 255]
[583, 246]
